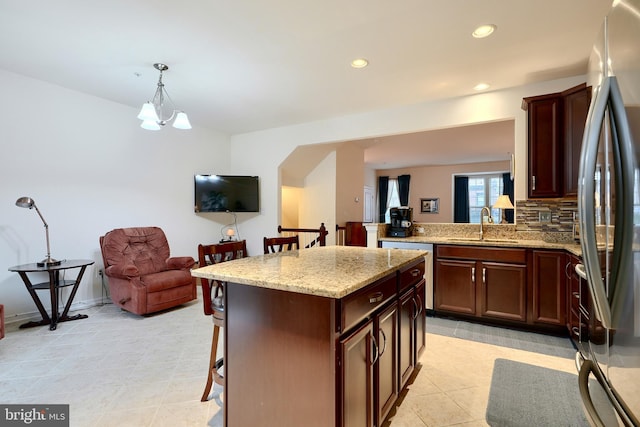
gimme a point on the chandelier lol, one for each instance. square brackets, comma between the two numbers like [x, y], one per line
[152, 114]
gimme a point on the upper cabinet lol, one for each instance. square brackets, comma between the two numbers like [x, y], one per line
[555, 125]
[576, 106]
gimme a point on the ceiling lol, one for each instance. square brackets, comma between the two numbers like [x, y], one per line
[240, 66]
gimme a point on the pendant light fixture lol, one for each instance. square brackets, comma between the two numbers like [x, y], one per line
[152, 113]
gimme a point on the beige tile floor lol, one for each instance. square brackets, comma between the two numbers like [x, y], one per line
[119, 369]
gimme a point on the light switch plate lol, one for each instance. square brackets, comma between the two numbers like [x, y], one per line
[544, 216]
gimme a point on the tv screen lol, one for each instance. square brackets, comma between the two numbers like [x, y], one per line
[222, 193]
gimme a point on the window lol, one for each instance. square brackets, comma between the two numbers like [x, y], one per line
[393, 198]
[484, 191]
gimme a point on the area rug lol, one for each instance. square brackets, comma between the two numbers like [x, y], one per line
[524, 395]
[505, 337]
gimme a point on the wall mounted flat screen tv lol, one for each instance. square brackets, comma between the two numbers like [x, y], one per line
[222, 193]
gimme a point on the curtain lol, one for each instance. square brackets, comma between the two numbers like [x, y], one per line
[383, 192]
[507, 188]
[461, 199]
[403, 189]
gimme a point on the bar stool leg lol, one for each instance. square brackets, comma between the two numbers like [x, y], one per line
[212, 363]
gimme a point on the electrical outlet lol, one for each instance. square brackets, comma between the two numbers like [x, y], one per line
[544, 216]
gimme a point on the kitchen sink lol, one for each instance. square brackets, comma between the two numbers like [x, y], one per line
[476, 239]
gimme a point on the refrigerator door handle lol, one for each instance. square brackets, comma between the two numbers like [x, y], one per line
[586, 203]
[583, 383]
[622, 259]
[580, 271]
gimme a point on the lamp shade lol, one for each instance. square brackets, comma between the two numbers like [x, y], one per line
[148, 112]
[181, 121]
[25, 202]
[150, 125]
[503, 202]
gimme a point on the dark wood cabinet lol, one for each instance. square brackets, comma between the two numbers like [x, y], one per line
[481, 282]
[421, 319]
[555, 126]
[503, 292]
[508, 286]
[579, 319]
[379, 356]
[544, 124]
[386, 368]
[412, 322]
[455, 291]
[573, 298]
[549, 288]
[576, 107]
[358, 355]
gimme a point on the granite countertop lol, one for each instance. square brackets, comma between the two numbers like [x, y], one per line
[329, 271]
[573, 248]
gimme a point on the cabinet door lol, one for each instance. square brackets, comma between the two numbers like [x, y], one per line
[576, 107]
[573, 299]
[358, 351]
[421, 320]
[386, 368]
[544, 148]
[549, 288]
[455, 287]
[503, 291]
[407, 333]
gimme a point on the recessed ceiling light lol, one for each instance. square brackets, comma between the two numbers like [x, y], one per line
[483, 31]
[481, 86]
[359, 63]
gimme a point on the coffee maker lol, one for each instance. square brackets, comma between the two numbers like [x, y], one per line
[401, 222]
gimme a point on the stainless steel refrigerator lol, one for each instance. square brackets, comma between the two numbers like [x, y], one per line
[609, 216]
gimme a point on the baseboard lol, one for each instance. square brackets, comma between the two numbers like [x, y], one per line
[35, 315]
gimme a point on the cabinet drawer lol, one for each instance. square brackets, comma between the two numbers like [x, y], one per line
[516, 255]
[411, 275]
[362, 303]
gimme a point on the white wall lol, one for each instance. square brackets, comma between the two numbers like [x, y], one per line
[319, 197]
[349, 183]
[91, 168]
[270, 147]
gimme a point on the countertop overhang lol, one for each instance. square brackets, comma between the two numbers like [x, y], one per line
[573, 248]
[329, 271]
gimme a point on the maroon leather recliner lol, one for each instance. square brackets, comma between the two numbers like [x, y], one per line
[143, 278]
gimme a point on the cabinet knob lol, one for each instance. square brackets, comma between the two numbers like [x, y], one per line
[415, 272]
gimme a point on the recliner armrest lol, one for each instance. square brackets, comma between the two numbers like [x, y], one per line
[124, 271]
[180, 262]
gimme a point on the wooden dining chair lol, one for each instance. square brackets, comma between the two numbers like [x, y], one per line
[279, 244]
[213, 300]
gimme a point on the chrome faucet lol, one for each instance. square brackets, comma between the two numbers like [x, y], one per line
[489, 220]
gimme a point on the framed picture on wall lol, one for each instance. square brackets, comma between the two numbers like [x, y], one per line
[429, 205]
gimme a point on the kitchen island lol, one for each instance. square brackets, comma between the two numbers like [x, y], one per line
[319, 337]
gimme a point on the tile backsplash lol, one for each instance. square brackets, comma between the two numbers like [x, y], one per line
[550, 215]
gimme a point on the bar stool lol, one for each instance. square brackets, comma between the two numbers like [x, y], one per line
[213, 300]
